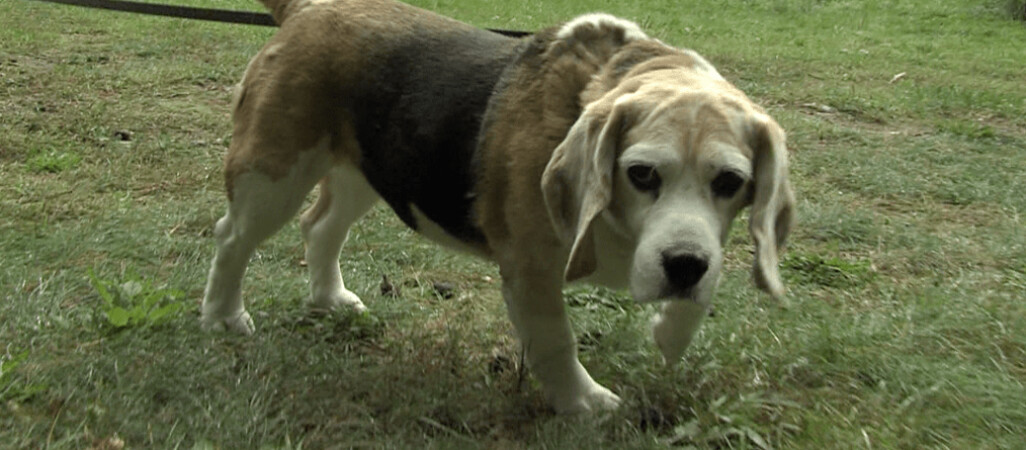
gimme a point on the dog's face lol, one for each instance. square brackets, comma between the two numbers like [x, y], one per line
[667, 167]
[681, 177]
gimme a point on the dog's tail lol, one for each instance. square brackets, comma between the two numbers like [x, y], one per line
[281, 9]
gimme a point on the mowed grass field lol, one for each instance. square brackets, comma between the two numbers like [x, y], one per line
[907, 271]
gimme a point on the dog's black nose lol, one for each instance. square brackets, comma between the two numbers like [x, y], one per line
[684, 268]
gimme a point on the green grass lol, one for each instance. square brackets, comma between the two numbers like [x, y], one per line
[907, 272]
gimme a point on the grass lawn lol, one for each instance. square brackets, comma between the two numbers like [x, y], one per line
[907, 272]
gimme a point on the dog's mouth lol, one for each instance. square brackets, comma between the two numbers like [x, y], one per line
[670, 294]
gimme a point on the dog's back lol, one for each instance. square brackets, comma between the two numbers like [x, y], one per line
[418, 113]
[413, 85]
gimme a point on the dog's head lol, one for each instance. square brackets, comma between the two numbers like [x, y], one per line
[666, 159]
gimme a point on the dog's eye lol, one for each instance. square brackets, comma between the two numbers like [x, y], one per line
[726, 184]
[644, 178]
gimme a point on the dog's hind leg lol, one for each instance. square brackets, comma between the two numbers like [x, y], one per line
[345, 196]
[259, 206]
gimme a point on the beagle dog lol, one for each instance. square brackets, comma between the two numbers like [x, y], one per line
[586, 152]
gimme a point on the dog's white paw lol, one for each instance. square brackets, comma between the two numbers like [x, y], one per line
[240, 323]
[338, 300]
[595, 398]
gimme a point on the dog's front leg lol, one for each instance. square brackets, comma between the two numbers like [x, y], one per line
[675, 326]
[535, 303]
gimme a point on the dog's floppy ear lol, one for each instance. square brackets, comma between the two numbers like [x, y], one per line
[773, 203]
[578, 181]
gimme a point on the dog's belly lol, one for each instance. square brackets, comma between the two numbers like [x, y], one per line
[435, 233]
[417, 120]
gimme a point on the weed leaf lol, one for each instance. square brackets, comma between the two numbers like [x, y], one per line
[101, 289]
[117, 316]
